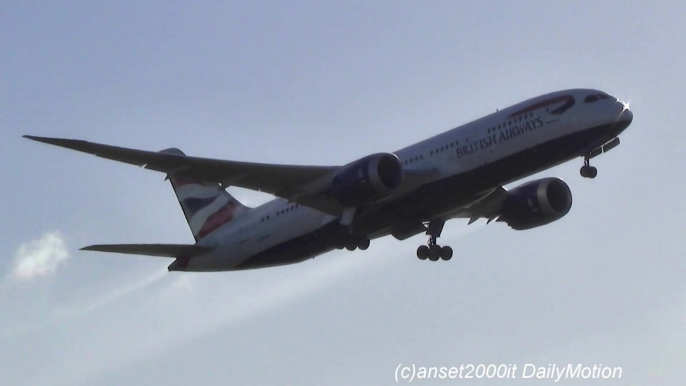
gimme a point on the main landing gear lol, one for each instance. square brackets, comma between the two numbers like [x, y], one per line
[361, 243]
[432, 250]
[588, 171]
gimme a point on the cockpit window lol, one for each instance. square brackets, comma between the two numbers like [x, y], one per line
[596, 97]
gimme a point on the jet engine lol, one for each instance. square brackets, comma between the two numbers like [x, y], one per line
[367, 180]
[536, 203]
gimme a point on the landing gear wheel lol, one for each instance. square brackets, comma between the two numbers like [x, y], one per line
[446, 253]
[588, 171]
[593, 172]
[422, 252]
[364, 244]
[434, 252]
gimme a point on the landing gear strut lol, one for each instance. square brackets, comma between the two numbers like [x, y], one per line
[432, 250]
[587, 170]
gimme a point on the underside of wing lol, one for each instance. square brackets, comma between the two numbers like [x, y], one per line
[161, 250]
[297, 183]
[487, 206]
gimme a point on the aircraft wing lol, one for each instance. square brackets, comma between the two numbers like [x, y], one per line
[488, 206]
[296, 183]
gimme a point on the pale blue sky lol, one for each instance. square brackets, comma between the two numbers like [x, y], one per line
[324, 83]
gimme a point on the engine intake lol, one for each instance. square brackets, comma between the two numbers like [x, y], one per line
[536, 203]
[367, 180]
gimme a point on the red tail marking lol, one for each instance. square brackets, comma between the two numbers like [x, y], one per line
[221, 217]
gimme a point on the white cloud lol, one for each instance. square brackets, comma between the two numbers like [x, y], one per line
[40, 257]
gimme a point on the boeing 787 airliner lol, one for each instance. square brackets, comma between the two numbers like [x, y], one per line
[457, 174]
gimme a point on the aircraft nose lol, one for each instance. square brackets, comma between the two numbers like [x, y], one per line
[626, 115]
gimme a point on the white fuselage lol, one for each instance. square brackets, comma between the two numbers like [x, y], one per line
[466, 148]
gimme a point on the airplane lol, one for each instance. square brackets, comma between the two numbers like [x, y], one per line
[457, 174]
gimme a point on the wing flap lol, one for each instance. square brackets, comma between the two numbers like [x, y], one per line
[487, 206]
[161, 250]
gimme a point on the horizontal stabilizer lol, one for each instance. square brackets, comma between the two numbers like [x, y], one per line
[162, 250]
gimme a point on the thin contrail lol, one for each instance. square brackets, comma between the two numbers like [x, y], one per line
[71, 313]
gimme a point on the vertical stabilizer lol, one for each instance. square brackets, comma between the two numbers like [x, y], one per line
[206, 205]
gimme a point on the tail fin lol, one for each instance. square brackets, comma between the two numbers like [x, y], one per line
[206, 205]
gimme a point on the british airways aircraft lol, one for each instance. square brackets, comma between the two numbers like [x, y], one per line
[457, 174]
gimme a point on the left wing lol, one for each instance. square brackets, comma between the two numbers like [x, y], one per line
[295, 183]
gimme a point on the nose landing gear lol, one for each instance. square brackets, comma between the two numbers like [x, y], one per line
[588, 171]
[432, 250]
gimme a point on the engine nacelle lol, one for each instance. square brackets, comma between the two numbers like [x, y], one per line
[536, 203]
[367, 180]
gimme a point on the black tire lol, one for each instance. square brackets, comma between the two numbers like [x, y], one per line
[422, 252]
[434, 253]
[587, 171]
[446, 253]
[364, 244]
[592, 172]
[584, 171]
